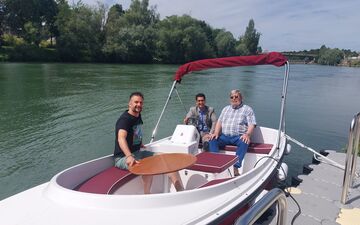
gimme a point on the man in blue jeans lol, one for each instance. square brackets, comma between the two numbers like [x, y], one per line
[234, 127]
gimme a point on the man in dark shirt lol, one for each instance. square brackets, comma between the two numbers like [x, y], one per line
[128, 140]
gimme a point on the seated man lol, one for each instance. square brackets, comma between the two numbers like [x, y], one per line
[234, 127]
[128, 140]
[203, 118]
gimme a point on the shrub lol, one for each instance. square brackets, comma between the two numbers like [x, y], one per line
[355, 63]
[12, 40]
[28, 53]
[45, 44]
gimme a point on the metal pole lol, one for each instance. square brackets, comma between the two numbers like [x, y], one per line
[260, 207]
[349, 155]
[162, 112]
[355, 148]
[283, 100]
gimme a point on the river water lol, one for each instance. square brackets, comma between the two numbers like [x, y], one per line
[53, 116]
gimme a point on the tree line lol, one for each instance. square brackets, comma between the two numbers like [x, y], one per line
[53, 30]
[327, 56]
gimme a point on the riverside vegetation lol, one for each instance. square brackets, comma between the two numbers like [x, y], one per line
[54, 31]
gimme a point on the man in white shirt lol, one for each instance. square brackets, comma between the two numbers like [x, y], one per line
[234, 127]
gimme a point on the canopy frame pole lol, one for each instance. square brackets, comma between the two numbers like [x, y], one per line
[283, 102]
[162, 112]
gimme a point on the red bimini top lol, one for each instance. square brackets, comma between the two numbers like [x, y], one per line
[272, 58]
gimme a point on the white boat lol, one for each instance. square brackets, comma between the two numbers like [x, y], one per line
[96, 192]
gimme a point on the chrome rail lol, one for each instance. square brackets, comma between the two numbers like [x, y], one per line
[283, 102]
[260, 207]
[351, 157]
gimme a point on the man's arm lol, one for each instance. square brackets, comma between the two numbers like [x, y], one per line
[251, 129]
[246, 137]
[186, 120]
[189, 115]
[213, 121]
[122, 134]
[217, 131]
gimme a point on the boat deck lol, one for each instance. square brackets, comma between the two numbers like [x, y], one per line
[319, 196]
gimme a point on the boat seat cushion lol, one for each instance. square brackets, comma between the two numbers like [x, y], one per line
[107, 181]
[213, 182]
[213, 162]
[258, 148]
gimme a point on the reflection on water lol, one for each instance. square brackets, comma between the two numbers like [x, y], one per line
[53, 116]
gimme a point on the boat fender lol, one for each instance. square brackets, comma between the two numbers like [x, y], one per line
[283, 171]
[287, 149]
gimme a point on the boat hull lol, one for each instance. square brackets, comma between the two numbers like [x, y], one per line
[56, 202]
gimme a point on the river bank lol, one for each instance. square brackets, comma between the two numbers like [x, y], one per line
[50, 55]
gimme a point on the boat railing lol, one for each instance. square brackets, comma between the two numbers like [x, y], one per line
[276, 195]
[351, 157]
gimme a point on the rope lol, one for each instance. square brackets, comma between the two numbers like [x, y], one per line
[177, 93]
[332, 162]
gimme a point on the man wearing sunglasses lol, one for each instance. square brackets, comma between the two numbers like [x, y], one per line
[234, 127]
[203, 118]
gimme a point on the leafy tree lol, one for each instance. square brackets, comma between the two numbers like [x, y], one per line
[115, 12]
[112, 49]
[130, 35]
[248, 43]
[35, 16]
[195, 44]
[181, 39]
[80, 32]
[12, 40]
[322, 50]
[329, 56]
[349, 53]
[31, 34]
[225, 43]
[2, 18]
[140, 13]
[241, 49]
[49, 13]
[210, 33]
[133, 35]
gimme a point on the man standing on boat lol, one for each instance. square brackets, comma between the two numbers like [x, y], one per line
[234, 127]
[128, 141]
[203, 118]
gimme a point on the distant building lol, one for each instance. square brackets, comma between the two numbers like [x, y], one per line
[355, 57]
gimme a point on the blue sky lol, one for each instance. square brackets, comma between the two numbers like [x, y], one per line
[283, 24]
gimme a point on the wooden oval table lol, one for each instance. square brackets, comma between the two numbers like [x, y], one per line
[162, 163]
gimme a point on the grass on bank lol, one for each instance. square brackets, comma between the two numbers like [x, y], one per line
[28, 53]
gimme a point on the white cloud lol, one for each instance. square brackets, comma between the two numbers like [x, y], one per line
[284, 24]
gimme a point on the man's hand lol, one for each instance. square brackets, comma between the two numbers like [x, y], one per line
[186, 120]
[130, 160]
[213, 136]
[245, 138]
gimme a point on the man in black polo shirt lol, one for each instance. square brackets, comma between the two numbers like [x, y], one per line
[128, 140]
